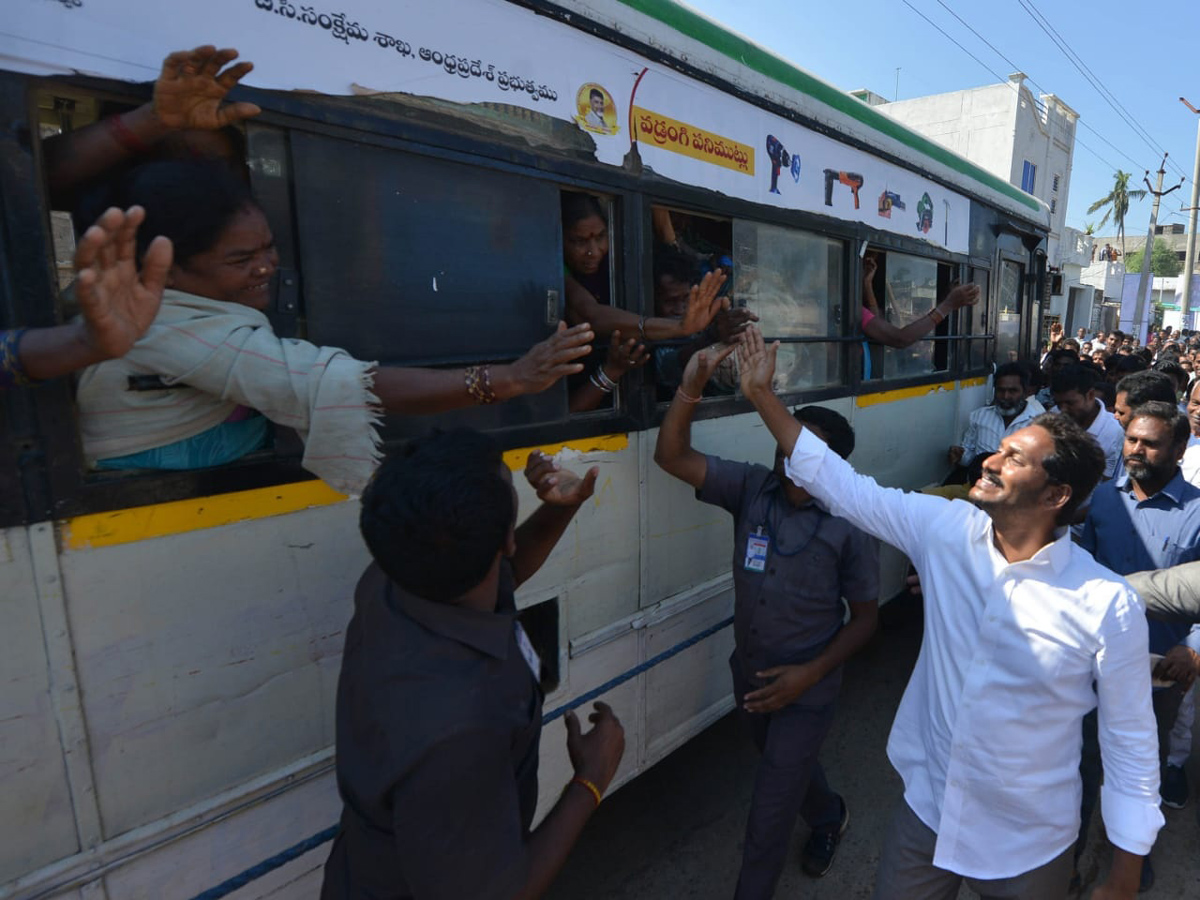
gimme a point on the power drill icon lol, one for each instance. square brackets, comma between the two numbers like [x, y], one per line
[852, 180]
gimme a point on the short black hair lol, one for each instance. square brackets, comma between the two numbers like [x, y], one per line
[672, 263]
[437, 512]
[1106, 393]
[1077, 461]
[595, 92]
[192, 203]
[839, 434]
[1124, 365]
[577, 206]
[1170, 367]
[1009, 369]
[1165, 411]
[1146, 385]
[1073, 378]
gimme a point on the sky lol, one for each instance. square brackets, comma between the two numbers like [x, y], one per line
[1145, 66]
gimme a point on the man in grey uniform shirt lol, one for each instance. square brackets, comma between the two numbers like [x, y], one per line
[793, 563]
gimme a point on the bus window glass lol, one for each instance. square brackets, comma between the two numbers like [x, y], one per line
[794, 281]
[978, 321]
[911, 292]
[1008, 313]
[687, 246]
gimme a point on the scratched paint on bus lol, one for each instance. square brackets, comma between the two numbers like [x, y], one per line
[920, 390]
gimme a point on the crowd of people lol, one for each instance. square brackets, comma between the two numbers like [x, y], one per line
[1034, 682]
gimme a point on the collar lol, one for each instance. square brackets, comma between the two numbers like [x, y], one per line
[1173, 489]
[776, 486]
[1056, 554]
[488, 633]
[1024, 408]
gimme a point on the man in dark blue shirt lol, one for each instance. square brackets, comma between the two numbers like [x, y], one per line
[793, 563]
[439, 712]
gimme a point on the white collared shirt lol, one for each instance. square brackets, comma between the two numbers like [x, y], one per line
[1110, 436]
[1190, 464]
[986, 429]
[987, 737]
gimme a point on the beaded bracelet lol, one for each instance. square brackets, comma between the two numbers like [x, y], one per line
[479, 384]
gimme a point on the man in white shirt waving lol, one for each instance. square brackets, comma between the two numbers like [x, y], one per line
[1019, 623]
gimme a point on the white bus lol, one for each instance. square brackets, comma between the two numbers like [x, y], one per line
[171, 640]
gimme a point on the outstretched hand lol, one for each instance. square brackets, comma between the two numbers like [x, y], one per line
[703, 303]
[549, 360]
[119, 303]
[701, 367]
[190, 90]
[555, 485]
[757, 362]
[963, 295]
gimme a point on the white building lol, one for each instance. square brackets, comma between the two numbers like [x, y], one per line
[1028, 140]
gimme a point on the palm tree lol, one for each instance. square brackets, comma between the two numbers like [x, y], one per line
[1116, 205]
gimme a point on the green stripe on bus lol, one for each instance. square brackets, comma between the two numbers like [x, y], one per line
[740, 50]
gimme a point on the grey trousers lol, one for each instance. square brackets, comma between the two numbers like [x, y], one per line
[907, 872]
[788, 784]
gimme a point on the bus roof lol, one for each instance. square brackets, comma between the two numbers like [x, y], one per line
[691, 37]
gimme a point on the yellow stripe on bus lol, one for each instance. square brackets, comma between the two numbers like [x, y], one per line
[921, 390]
[125, 526]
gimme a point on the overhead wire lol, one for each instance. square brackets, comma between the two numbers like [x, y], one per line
[1107, 95]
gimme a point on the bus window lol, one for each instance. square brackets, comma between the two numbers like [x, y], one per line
[912, 285]
[978, 322]
[590, 285]
[794, 281]
[1008, 318]
[687, 245]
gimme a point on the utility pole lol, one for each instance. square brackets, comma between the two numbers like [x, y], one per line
[1189, 264]
[1139, 309]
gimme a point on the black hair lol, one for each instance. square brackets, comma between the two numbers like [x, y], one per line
[1072, 378]
[1106, 393]
[1125, 365]
[1077, 461]
[672, 263]
[1145, 353]
[577, 206]
[1171, 368]
[1146, 385]
[1165, 411]
[192, 203]
[1009, 369]
[437, 512]
[595, 92]
[839, 434]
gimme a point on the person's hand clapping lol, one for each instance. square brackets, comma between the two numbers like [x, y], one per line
[555, 485]
[757, 363]
[117, 301]
[191, 89]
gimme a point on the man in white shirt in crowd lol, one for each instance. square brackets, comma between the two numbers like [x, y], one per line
[1009, 411]
[1019, 622]
[1075, 396]
[1190, 464]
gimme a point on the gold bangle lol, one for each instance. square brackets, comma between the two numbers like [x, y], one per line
[937, 316]
[592, 789]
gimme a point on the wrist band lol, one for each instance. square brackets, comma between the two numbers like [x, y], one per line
[605, 381]
[125, 137]
[478, 380]
[937, 315]
[595, 791]
[685, 396]
[600, 385]
[642, 328]
[12, 373]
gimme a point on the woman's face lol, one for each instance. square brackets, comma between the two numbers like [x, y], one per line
[585, 245]
[238, 268]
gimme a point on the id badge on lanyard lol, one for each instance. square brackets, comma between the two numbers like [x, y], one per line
[757, 546]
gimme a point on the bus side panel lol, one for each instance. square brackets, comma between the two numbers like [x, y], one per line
[210, 657]
[37, 818]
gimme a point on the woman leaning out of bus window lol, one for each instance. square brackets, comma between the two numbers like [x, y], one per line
[881, 331]
[199, 387]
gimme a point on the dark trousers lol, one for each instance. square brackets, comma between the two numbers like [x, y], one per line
[1091, 769]
[789, 783]
[907, 872]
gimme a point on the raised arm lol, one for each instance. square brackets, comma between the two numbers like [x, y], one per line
[674, 452]
[189, 94]
[897, 517]
[703, 306]
[884, 332]
[562, 492]
[117, 302]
